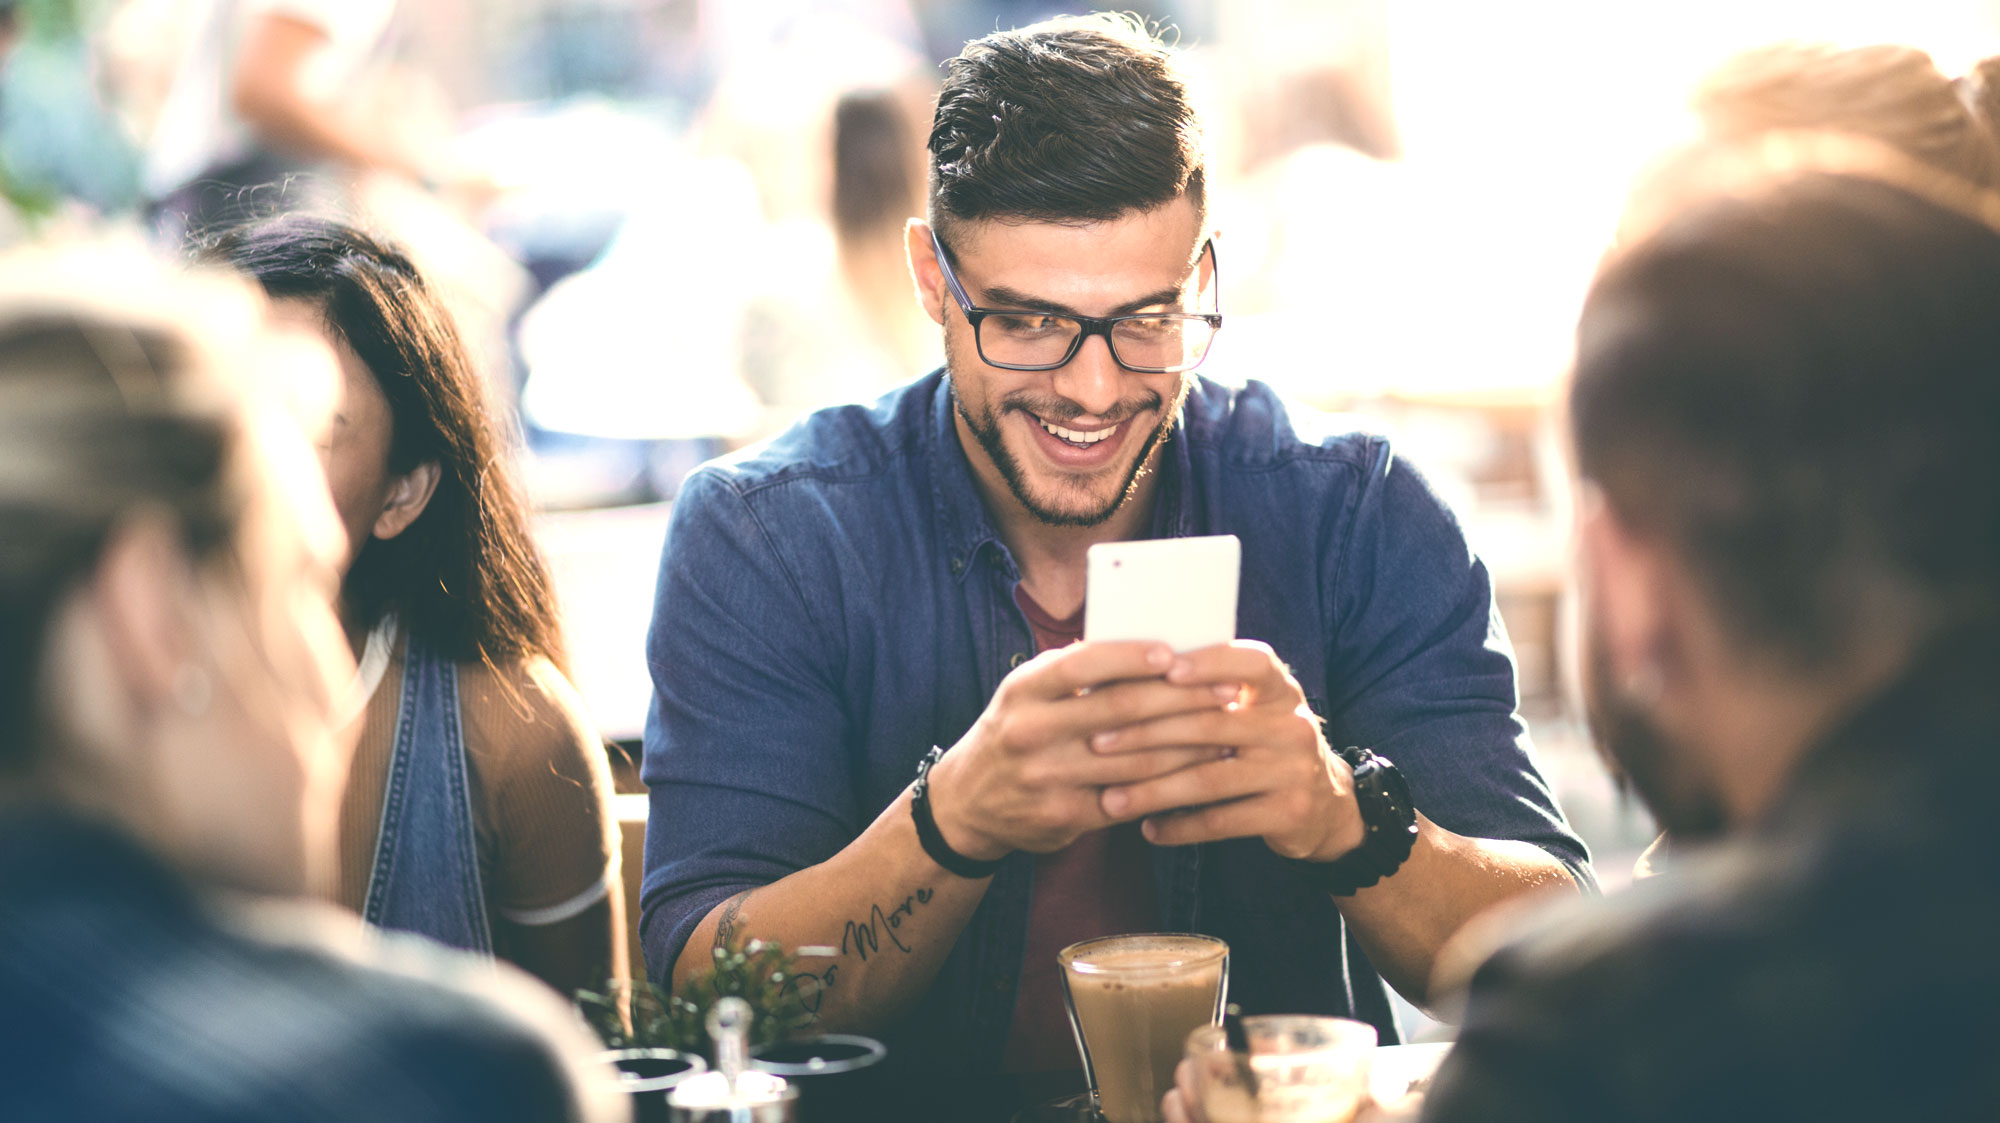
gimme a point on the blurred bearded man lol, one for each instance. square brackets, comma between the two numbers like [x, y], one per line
[1786, 415]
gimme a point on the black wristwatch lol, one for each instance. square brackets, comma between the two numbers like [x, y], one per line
[1389, 818]
[927, 828]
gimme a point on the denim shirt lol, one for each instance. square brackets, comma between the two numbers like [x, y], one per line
[835, 601]
[131, 993]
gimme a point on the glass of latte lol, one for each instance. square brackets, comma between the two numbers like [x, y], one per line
[1132, 1001]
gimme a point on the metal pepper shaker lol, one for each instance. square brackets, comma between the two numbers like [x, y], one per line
[733, 1092]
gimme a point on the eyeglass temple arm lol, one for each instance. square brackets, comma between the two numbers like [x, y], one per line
[950, 278]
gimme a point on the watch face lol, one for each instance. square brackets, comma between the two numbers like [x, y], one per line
[1388, 808]
[1395, 785]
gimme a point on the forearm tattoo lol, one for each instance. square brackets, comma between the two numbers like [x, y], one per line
[726, 928]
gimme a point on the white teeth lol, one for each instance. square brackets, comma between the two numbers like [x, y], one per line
[1075, 437]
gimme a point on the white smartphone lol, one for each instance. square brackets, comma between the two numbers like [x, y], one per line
[1179, 591]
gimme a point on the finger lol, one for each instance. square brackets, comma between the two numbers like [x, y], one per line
[1223, 779]
[1232, 726]
[1184, 1095]
[1063, 671]
[1068, 815]
[1247, 662]
[1034, 725]
[1134, 702]
[1172, 1109]
[1250, 817]
[1133, 768]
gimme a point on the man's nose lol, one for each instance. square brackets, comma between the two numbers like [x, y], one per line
[1092, 379]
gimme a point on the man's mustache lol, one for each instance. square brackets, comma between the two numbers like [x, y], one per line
[1060, 410]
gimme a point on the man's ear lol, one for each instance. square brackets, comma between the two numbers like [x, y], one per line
[924, 271]
[145, 594]
[1624, 587]
[1205, 271]
[409, 494]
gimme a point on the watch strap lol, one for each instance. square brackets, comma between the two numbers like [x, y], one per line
[928, 834]
[1389, 823]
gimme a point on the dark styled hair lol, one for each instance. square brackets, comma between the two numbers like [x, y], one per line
[466, 575]
[1889, 93]
[1077, 119]
[95, 424]
[1797, 387]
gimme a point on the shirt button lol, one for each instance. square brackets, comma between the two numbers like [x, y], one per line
[1000, 984]
[957, 566]
[1016, 659]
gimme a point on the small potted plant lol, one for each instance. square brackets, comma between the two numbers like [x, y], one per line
[836, 1072]
[636, 1013]
[657, 1037]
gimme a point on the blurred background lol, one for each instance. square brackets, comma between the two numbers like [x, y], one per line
[669, 226]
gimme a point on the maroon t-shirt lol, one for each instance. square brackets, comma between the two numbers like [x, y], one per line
[1099, 885]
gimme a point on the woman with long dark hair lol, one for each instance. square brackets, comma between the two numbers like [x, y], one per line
[478, 812]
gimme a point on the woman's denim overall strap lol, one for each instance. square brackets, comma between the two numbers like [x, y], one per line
[426, 877]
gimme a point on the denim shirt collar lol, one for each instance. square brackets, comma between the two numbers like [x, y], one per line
[966, 527]
[963, 524]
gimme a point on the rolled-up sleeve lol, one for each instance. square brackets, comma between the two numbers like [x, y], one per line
[1420, 668]
[745, 744]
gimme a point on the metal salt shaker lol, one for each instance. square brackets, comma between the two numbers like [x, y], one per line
[733, 1092]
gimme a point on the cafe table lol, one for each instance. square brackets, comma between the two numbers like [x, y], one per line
[1395, 1068]
[1394, 1072]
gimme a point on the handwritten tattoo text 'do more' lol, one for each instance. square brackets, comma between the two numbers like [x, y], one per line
[864, 938]
[860, 939]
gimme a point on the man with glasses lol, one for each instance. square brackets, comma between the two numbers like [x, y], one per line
[873, 734]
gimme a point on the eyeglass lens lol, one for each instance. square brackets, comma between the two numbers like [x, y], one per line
[1166, 342]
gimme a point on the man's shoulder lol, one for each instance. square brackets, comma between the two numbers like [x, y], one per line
[260, 1010]
[1748, 975]
[1716, 913]
[412, 1006]
[1250, 425]
[1586, 1011]
[840, 444]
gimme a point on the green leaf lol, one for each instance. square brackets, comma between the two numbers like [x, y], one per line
[636, 1013]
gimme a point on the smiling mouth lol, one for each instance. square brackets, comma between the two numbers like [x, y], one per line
[1077, 437]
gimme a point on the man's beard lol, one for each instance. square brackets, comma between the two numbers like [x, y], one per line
[1684, 803]
[986, 429]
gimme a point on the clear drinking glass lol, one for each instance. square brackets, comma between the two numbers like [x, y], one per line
[1306, 1070]
[838, 1075]
[649, 1074]
[1132, 1001]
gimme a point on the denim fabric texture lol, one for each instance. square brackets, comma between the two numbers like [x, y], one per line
[835, 601]
[426, 877]
[130, 994]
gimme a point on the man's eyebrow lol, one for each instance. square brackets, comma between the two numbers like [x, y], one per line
[1000, 296]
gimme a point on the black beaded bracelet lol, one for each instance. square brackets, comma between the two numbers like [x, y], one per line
[927, 828]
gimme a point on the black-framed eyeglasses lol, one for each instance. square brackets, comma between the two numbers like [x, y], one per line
[1147, 342]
